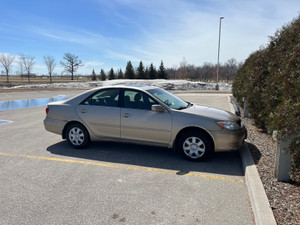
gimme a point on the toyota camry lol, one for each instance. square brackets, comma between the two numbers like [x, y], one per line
[145, 115]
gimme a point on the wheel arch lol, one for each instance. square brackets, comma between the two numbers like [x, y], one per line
[70, 123]
[195, 129]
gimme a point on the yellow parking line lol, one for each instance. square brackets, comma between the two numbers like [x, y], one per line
[125, 167]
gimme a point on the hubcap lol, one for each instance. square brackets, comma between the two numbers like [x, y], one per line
[194, 147]
[76, 136]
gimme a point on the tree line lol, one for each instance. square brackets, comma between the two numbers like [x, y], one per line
[141, 72]
[71, 63]
[206, 72]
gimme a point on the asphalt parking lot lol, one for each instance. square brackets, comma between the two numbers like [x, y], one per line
[44, 181]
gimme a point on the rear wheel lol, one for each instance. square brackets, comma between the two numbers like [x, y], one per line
[77, 135]
[195, 146]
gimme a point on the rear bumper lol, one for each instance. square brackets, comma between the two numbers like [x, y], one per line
[54, 126]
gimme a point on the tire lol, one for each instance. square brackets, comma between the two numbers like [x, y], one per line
[195, 146]
[77, 136]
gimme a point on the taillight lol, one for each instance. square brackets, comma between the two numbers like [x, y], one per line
[47, 110]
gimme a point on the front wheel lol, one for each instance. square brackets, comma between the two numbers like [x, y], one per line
[77, 135]
[195, 146]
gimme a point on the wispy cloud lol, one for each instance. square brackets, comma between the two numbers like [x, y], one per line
[122, 56]
[80, 36]
[49, 35]
[89, 66]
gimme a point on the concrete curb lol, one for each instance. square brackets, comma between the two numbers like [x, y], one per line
[259, 201]
[260, 204]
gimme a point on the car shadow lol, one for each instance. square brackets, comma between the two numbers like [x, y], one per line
[256, 154]
[227, 163]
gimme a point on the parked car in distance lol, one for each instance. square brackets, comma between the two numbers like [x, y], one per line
[145, 115]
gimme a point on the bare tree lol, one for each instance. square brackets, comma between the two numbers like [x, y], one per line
[28, 63]
[6, 60]
[230, 69]
[182, 69]
[190, 72]
[50, 63]
[72, 63]
[206, 71]
[21, 67]
[172, 72]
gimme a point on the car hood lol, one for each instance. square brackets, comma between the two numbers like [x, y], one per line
[210, 112]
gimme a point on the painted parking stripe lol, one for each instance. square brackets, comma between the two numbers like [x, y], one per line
[112, 165]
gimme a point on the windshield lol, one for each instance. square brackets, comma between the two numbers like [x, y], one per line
[169, 99]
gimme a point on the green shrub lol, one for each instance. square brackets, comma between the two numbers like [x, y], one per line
[270, 79]
[251, 83]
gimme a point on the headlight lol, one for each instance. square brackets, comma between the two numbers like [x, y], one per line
[229, 125]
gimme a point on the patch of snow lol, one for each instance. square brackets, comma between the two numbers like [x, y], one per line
[165, 84]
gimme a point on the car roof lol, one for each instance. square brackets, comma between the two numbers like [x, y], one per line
[144, 87]
[80, 97]
[133, 86]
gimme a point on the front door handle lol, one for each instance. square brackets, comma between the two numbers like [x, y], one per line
[126, 115]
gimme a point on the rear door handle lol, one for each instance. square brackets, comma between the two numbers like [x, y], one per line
[83, 111]
[126, 115]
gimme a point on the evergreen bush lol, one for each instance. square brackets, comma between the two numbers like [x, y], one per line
[270, 80]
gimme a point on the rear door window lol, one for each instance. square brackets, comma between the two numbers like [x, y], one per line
[106, 97]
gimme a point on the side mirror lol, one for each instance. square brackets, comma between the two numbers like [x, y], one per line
[157, 108]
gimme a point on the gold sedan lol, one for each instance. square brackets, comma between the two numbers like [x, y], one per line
[145, 115]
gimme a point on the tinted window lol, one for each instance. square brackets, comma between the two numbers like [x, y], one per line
[107, 97]
[137, 100]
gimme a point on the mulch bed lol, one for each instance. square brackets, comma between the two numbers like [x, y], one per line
[284, 198]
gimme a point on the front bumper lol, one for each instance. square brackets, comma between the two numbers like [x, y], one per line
[229, 140]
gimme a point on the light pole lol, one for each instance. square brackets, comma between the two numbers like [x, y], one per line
[218, 65]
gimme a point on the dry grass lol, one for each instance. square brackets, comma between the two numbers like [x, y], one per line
[14, 81]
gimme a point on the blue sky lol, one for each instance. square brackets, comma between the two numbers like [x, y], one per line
[108, 33]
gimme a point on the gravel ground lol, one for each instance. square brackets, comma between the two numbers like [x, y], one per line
[284, 198]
